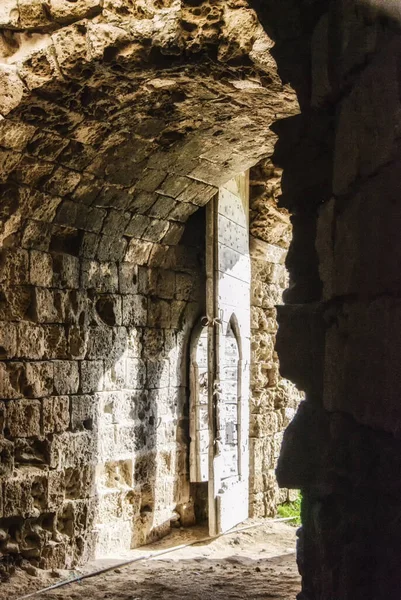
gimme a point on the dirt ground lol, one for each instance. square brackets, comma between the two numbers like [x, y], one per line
[258, 563]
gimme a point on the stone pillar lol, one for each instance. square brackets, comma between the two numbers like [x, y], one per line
[339, 334]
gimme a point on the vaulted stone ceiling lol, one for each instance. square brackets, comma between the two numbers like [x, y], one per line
[121, 118]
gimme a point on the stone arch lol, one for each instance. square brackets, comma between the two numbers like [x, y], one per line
[114, 133]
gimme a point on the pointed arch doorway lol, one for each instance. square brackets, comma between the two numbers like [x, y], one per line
[220, 362]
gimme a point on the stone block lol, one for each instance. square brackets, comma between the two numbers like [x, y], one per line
[114, 537]
[182, 212]
[107, 443]
[138, 252]
[155, 231]
[109, 509]
[14, 266]
[159, 313]
[111, 248]
[273, 375]
[6, 458]
[55, 490]
[126, 440]
[262, 347]
[174, 186]
[165, 284]
[134, 342]
[366, 253]
[135, 310]
[55, 342]
[47, 145]
[130, 504]
[24, 418]
[151, 180]
[80, 482]
[17, 498]
[163, 256]
[77, 307]
[32, 172]
[66, 377]
[77, 342]
[16, 302]
[263, 424]
[120, 344]
[366, 131]
[84, 412]
[9, 161]
[14, 89]
[100, 342]
[128, 278]
[72, 450]
[369, 394]
[66, 270]
[41, 269]
[91, 372]
[265, 252]
[156, 282]
[142, 201]
[183, 314]
[153, 341]
[184, 287]
[56, 414]
[8, 340]
[103, 277]
[115, 474]
[75, 517]
[88, 245]
[115, 373]
[62, 13]
[257, 505]
[39, 379]
[115, 221]
[11, 376]
[162, 207]
[49, 306]
[111, 407]
[174, 234]
[158, 373]
[36, 235]
[135, 374]
[111, 196]
[31, 341]
[14, 134]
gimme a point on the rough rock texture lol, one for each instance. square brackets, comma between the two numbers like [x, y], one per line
[274, 399]
[339, 338]
[118, 122]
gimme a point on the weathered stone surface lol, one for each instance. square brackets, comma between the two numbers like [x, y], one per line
[107, 160]
[271, 395]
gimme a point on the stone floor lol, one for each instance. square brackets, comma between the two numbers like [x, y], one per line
[256, 563]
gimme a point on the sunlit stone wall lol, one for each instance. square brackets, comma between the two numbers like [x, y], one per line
[273, 399]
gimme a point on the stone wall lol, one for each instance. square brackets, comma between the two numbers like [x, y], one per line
[94, 411]
[339, 338]
[273, 399]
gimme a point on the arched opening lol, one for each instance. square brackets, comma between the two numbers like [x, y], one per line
[231, 390]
